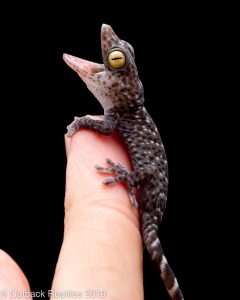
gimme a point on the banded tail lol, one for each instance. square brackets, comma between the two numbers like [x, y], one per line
[155, 251]
[169, 279]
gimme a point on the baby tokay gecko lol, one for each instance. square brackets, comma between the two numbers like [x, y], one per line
[116, 85]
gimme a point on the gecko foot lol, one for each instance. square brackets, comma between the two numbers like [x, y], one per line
[122, 175]
[116, 169]
[74, 126]
[79, 122]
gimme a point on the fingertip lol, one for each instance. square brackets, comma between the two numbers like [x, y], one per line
[111, 252]
[11, 276]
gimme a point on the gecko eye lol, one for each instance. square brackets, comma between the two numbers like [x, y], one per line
[116, 59]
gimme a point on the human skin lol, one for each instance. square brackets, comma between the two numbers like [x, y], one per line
[102, 245]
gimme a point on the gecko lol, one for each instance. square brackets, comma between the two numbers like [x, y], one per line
[117, 87]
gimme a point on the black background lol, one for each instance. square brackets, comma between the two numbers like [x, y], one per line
[175, 55]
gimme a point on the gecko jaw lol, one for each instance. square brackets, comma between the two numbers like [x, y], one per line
[93, 75]
[83, 67]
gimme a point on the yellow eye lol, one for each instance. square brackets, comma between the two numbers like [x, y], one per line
[116, 59]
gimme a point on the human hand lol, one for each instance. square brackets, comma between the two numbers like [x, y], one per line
[102, 246]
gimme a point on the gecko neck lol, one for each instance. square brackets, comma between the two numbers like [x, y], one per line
[129, 108]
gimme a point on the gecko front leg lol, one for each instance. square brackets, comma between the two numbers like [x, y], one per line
[105, 126]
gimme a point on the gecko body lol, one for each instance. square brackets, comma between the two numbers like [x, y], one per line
[117, 86]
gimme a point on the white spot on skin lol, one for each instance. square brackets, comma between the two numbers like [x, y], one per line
[154, 255]
[151, 233]
[154, 192]
[95, 117]
[174, 288]
[163, 263]
[155, 243]
[148, 121]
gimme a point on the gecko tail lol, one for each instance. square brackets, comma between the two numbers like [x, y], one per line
[166, 273]
[155, 251]
[169, 279]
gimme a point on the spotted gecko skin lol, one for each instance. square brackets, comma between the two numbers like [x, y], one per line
[120, 92]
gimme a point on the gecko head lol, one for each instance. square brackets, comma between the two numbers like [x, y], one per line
[115, 83]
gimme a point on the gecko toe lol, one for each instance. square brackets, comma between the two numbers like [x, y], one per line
[110, 162]
[109, 180]
[132, 197]
[70, 131]
[117, 167]
[133, 200]
[105, 170]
